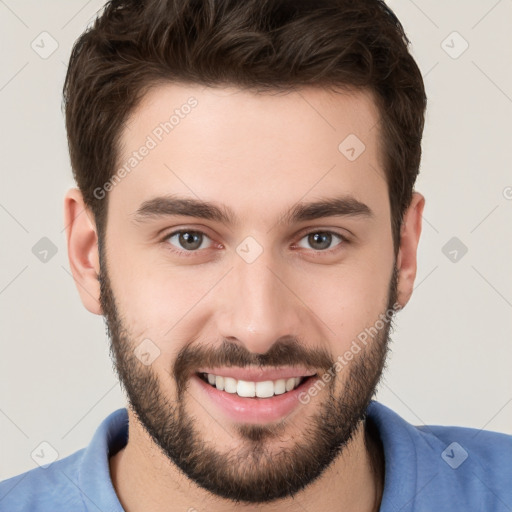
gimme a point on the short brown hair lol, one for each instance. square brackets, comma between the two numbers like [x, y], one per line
[252, 44]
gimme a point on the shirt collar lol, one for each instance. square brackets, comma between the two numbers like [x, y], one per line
[94, 473]
[400, 441]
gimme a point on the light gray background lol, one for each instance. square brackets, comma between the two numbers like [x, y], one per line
[451, 355]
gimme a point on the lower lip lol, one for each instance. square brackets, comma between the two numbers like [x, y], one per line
[254, 409]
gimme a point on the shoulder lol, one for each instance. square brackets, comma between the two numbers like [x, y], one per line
[476, 465]
[438, 465]
[79, 482]
[481, 460]
[54, 488]
[492, 451]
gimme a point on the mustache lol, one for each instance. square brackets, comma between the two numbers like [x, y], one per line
[286, 351]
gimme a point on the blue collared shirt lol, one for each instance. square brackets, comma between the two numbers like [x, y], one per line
[427, 468]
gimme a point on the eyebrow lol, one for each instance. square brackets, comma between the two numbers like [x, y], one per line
[172, 205]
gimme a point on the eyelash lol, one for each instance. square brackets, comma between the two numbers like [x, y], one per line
[343, 241]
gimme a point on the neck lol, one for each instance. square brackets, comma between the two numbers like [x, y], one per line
[145, 479]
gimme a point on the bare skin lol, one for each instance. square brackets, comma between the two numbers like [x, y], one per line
[258, 155]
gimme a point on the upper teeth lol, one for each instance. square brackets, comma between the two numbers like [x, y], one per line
[245, 388]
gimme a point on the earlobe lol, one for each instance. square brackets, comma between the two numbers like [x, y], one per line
[407, 254]
[82, 244]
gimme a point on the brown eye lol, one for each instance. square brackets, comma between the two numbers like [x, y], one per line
[187, 240]
[322, 240]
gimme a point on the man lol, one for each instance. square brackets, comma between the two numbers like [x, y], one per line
[246, 222]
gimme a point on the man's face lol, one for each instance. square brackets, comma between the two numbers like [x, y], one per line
[266, 291]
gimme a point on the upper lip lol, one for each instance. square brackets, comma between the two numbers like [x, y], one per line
[259, 374]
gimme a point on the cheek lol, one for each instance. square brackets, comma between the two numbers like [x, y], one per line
[143, 293]
[348, 299]
[158, 300]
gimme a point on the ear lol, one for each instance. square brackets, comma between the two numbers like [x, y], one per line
[82, 243]
[409, 239]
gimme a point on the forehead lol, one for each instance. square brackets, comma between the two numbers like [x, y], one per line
[251, 150]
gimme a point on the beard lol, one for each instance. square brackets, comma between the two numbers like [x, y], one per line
[253, 473]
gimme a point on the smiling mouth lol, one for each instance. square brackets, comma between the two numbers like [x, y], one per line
[250, 389]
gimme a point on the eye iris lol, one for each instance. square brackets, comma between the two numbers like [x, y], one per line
[189, 240]
[192, 239]
[322, 237]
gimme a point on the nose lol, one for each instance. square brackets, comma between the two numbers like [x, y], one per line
[258, 305]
